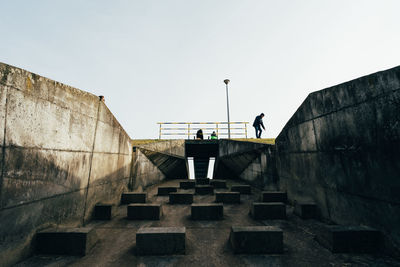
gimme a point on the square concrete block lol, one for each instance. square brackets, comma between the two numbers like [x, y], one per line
[350, 239]
[202, 181]
[131, 197]
[103, 212]
[207, 211]
[228, 197]
[144, 211]
[181, 198]
[306, 210]
[273, 196]
[204, 190]
[165, 190]
[161, 240]
[242, 189]
[218, 183]
[256, 239]
[187, 184]
[66, 241]
[267, 211]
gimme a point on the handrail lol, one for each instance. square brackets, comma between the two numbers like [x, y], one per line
[190, 131]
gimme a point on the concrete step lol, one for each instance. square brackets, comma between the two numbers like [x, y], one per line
[67, 241]
[187, 184]
[242, 189]
[273, 196]
[181, 198]
[306, 210]
[256, 239]
[227, 197]
[144, 211]
[207, 211]
[202, 181]
[131, 197]
[161, 240]
[267, 211]
[165, 190]
[218, 183]
[204, 190]
[350, 239]
[104, 212]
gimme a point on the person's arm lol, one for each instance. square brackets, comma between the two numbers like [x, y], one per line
[262, 124]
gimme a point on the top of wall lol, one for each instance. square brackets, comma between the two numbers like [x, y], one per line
[58, 93]
[344, 95]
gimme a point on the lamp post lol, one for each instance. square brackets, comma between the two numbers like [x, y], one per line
[226, 81]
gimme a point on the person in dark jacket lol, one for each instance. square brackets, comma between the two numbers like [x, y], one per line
[258, 123]
[199, 134]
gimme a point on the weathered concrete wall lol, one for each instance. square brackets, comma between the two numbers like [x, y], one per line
[62, 151]
[144, 172]
[251, 162]
[172, 147]
[341, 149]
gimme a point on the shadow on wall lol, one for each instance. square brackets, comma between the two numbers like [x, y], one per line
[341, 150]
[36, 202]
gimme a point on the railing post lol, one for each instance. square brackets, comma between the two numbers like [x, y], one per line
[188, 130]
[160, 131]
[245, 127]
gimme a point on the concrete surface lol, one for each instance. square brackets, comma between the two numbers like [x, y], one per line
[256, 239]
[62, 152]
[161, 240]
[340, 149]
[207, 242]
[66, 241]
[132, 197]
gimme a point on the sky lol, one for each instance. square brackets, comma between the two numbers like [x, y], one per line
[165, 60]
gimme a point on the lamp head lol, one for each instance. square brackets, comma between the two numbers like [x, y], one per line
[226, 81]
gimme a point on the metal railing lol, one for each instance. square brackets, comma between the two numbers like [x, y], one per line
[189, 129]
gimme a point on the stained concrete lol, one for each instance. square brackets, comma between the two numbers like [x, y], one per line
[340, 149]
[207, 241]
[62, 152]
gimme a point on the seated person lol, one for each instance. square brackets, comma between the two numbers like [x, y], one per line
[214, 135]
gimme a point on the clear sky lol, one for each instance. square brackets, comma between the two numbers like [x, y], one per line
[165, 60]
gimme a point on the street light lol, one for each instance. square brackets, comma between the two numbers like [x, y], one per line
[226, 81]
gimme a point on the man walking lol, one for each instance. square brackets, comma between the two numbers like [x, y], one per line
[257, 124]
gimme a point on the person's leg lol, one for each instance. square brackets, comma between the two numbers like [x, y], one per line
[258, 132]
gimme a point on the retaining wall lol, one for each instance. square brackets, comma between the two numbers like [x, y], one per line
[341, 149]
[62, 151]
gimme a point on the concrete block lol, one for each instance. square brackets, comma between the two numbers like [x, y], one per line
[228, 197]
[350, 239]
[103, 212]
[130, 197]
[256, 239]
[266, 211]
[203, 181]
[69, 241]
[274, 196]
[306, 210]
[161, 240]
[204, 190]
[207, 211]
[144, 211]
[187, 184]
[165, 190]
[181, 198]
[218, 183]
[242, 189]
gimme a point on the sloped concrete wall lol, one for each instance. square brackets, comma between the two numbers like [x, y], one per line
[62, 151]
[248, 161]
[172, 147]
[341, 149]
